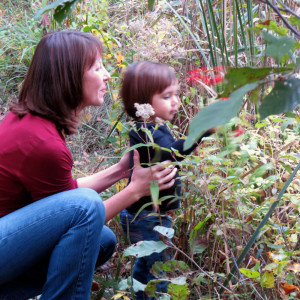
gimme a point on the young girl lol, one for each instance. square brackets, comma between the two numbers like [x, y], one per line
[155, 84]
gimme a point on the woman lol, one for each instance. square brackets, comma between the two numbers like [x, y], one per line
[51, 246]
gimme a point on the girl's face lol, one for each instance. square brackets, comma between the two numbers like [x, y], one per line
[93, 84]
[166, 103]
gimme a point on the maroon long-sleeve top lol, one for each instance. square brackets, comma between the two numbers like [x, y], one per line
[35, 161]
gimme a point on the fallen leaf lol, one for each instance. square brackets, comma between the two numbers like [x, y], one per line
[288, 288]
[294, 267]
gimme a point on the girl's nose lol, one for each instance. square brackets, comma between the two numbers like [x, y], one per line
[175, 100]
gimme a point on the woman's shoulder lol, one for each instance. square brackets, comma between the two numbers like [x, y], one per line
[30, 131]
[28, 124]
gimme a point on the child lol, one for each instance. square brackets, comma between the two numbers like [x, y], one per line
[156, 84]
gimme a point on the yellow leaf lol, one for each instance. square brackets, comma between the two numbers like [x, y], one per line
[267, 280]
[119, 125]
[237, 153]
[120, 295]
[108, 55]
[119, 57]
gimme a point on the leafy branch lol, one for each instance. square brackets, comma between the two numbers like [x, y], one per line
[284, 20]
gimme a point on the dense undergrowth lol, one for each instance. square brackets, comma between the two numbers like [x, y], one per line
[236, 175]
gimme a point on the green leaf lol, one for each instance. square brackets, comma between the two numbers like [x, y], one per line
[272, 26]
[62, 7]
[260, 172]
[171, 266]
[179, 292]
[294, 21]
[145, 248]
[217, 114]
[154, 190]
[267, 280]
[284, 97]
[150, 4]
[62, 10]
[278, 46]
[237, 77]
[249, 273]
[165, 231]
[126, 283]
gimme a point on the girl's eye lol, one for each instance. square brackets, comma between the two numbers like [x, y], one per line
[166, 96]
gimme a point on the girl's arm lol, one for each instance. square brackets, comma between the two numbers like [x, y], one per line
[177, 145]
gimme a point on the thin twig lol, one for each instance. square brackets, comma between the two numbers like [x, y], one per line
[287, 24]
[205, 273]
[287, 9]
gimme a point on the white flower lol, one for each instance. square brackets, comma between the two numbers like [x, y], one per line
[159, 121]
[297, 75]
[144, 111]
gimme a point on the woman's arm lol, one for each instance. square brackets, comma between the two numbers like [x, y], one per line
[106, 178]
[139, 186]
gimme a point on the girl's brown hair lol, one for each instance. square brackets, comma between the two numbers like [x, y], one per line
[53, 84]
[141, 81]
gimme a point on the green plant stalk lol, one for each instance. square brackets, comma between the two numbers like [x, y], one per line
[235, 8]
[256, 233]
[242, 30]
[190, 33]
[215, 30]
[211, 52]
[250, 24]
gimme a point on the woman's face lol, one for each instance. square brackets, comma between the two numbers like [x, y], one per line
[93, 84]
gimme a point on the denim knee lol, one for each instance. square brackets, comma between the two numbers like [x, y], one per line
[91, 203]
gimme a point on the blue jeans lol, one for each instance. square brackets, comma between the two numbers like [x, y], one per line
[51, 246]
[141, 229]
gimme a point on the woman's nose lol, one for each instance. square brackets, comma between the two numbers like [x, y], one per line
[106, 75]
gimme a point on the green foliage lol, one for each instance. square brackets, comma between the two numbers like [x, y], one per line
[61, 9]
[217, 114]
[278, 46]
[284, 97]
[232, 216]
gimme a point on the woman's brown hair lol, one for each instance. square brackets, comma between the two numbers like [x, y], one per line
[141, 81]
[53, 84]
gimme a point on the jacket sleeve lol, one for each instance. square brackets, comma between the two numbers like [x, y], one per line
[173, 147]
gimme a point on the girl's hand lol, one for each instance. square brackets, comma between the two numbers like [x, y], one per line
[142, 177]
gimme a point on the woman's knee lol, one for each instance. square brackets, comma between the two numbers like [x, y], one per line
[90, 203]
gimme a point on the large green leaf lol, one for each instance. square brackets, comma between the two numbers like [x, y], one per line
[62, 10]
[278, 46]
[217, 114]
[284, 97]
[145, 248]
[62, 7]
[237, 77]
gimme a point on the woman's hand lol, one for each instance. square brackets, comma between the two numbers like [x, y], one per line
[142, 177]
[124, 165]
